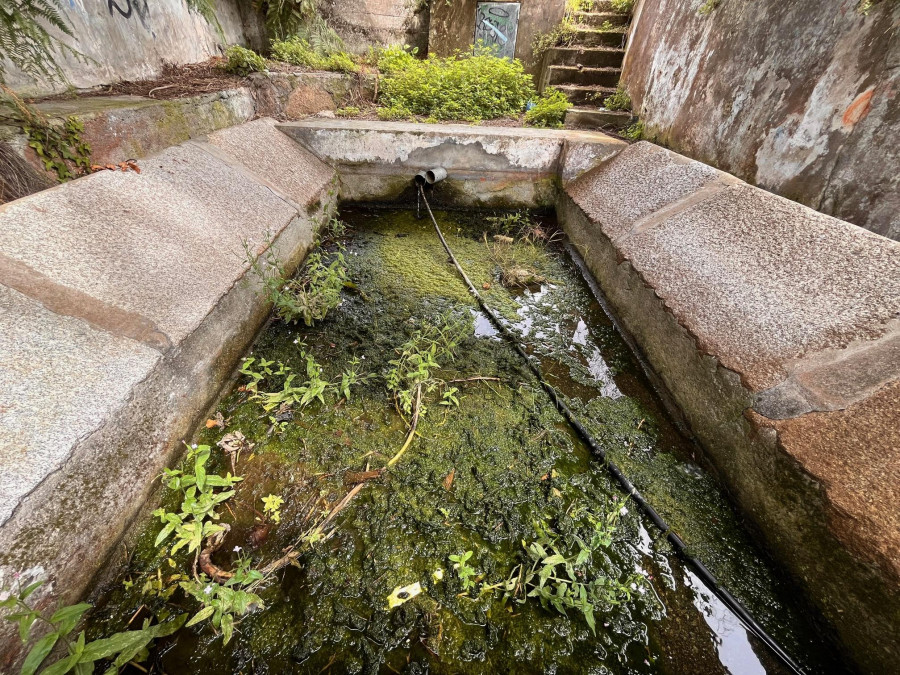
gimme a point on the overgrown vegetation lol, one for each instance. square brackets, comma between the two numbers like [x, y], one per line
[243, 61]
[58, 144]
[549, 110]
[559, 571]
[622, 6]
[300, 52]
[309, 295]
[618, 101]
[634, 132]
[469, 86]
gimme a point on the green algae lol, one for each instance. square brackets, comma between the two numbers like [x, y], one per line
[477, 477]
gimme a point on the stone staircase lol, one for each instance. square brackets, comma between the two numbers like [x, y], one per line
[588, 70]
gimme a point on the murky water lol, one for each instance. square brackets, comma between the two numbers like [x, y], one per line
[487, 476]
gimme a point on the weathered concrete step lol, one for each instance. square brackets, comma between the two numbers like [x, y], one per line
[601, 77]
[597, 19]
[595, 118]
[583, 95]
[599, 38]
[589, 57]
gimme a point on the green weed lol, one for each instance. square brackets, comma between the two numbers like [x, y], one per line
[300, 52]
[618, 101]
[310, 295]
[466, 86]
[241, 61]
[549, 110]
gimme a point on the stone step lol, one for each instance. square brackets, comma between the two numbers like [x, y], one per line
[589, 57]
[597, 118]
[601, 77]
[597, 19]
[602, 6]
[584, 95]
[585, 37]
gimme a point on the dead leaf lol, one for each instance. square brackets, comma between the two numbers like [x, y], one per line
[486, 286]
[448, 481]
[217, 421]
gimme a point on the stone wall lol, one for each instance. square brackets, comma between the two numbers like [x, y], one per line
[131, 39]
[362, 23]
[453, 26]
[799, 98]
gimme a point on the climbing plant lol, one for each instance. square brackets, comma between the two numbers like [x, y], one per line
[60, 147]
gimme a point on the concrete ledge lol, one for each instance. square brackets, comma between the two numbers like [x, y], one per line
[487, 166]
[775, 328]
[95, 402]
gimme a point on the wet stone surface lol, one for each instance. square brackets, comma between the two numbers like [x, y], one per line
[486, 477]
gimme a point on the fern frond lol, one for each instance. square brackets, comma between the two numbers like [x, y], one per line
[25, 41]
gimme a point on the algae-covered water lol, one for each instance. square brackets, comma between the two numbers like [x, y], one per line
[490, 475]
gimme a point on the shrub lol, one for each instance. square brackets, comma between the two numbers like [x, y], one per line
[243, 61]
[395, 59]
[618, 101]
[299, 52]
[549, 110]
[635, 132]
[469, 86]
[623, 6]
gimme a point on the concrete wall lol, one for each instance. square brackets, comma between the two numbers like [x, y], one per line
[125, 303]
[799, 97]
[131, 39]
[486, 167]
[453, 26]
[362, 23]
[775, 330]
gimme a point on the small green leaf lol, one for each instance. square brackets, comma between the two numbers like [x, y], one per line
[202, 615]
[38, 653]
[227, 626]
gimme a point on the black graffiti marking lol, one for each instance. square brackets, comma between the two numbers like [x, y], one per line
[139, 7]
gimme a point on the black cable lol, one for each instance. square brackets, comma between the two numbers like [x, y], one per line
[677, 542]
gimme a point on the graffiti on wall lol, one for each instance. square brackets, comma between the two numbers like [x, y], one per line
[496, 24]
[138, 8]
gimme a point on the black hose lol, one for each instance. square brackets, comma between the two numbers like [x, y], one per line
[677, 542]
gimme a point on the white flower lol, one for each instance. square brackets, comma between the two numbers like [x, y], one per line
[237, 549]
[363, 357]
[194, 446]
[633, 586]
[623, 511]
[208, 589]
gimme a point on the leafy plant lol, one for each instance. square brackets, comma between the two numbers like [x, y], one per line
[618, 101]
[120, 648]
[310, 295]
[549, 110]
[197, 517]
[635, 132]
[559, 570]
[299, 52]
[466, 573]
[347, 111]
[242, 61]
[314, 388]
[272, 507]
[470, 86]
[412, 373]
[561, 35]
[221, 603]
